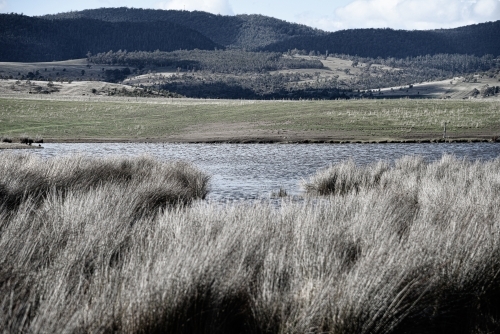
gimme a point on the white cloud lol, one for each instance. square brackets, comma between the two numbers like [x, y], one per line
[3, 5]
[213, 6]
[407, 14]
[487, 8]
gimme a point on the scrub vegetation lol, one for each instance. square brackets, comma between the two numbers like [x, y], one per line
[411, 247]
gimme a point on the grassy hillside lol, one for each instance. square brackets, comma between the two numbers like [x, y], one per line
[67, 70]
[106, 118]
[237, 74]
[265, 75]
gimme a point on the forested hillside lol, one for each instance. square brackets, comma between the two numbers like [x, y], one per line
[216, 61]
[24, 38]
[239, 31]
[267, 75]
[479, 40]
[198, 54]
[73, 34]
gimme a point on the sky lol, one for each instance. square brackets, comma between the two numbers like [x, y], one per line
[329, 15]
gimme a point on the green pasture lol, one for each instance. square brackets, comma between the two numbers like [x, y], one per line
[124, 119]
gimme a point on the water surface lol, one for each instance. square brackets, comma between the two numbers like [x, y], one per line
[254, 171]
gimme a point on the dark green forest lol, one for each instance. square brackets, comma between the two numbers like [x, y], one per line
[240, 31]
[257, 32]
[479, 39]
[30, 39]
[73, 34]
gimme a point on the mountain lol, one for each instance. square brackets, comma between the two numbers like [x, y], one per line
[25, 39]
[240, 31]
[73, 34]
[478, 39]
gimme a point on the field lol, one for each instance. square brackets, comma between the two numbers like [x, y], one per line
[67, 70]
[79, 119]
[126, 245]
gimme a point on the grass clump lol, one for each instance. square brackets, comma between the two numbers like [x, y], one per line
[153, 184]
[344, 178]
[280, 193]
[415, 252]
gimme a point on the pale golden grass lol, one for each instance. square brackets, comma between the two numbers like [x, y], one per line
[415, 252]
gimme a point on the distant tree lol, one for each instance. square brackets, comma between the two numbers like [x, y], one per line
[83, 72]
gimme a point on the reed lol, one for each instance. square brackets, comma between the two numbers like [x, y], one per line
[416, 251]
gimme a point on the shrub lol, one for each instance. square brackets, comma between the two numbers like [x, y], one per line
[25, 140]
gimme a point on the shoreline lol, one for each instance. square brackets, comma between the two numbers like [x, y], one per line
[274, 140]
[257, 140]
[19, 146]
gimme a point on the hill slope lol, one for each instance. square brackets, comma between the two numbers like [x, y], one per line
[478, 39]
[73, 34]
[240, 31]
[24, 38]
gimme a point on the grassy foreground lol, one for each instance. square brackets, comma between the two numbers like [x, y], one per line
[412, 248]
[99, 119]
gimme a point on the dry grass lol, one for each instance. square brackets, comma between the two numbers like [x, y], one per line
[415, 252]
[27, 178]
[200, 120]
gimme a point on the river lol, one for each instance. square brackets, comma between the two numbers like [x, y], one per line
[254, 171]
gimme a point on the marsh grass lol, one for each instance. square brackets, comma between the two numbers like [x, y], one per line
[27, 178]
[280, 193]
[415, 252]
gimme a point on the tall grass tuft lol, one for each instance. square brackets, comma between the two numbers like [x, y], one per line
[416, 251]
[344, 178]
[153, 184]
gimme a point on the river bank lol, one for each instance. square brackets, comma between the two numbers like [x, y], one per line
[251, 140]
[18, 146]
[199, 121]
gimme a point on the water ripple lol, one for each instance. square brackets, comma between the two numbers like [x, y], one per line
[255, 171]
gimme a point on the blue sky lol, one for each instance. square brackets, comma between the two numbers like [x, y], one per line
[329, 15]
